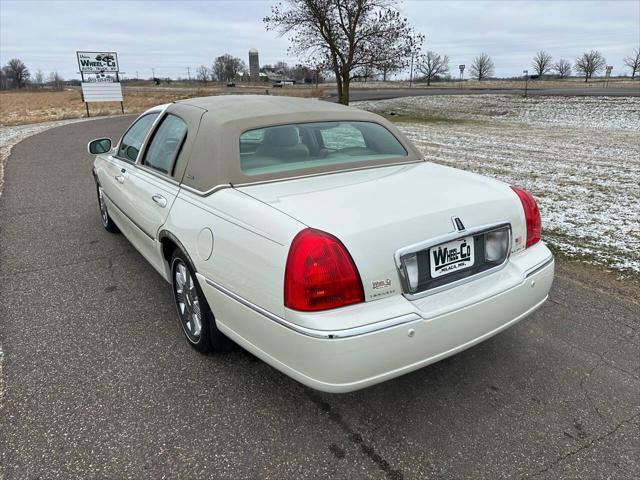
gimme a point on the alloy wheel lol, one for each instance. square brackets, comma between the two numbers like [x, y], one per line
[188, 302]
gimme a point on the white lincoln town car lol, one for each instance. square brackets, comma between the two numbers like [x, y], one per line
[318, 238]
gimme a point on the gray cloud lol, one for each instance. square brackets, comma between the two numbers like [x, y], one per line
[171, 36]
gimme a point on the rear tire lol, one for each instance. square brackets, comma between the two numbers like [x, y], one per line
[194, 314]
[107, 223]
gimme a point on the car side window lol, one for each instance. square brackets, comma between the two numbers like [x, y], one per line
[165, 144]
[132, 140]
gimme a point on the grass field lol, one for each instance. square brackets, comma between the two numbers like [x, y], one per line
[579, 156]
[35, 106]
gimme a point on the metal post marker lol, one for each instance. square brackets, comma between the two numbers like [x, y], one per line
[526, 81]
[461, 67]
[607, 75]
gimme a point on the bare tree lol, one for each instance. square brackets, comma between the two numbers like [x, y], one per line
[432, 65]
[17, 73]
[562, 67]
[346, 35]
[56, 81]
[482, 67]
[390, 67]
[541, 63]
[633, 62]
[590, 63]
[4, 81]
[303, 73]
[38, 78]
[226, 67]
[202, 74]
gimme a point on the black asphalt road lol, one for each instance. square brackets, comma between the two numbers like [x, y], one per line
[386, 93]
[99, 382]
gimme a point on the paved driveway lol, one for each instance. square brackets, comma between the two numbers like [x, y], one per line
[99, 382]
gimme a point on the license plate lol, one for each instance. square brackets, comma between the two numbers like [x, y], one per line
[451, 257]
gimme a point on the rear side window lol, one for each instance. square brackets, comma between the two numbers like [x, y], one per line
[165, 144]
[132, 140]
[308, 145]
[342, 136]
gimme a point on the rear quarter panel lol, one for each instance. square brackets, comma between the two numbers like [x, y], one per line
[250, 243]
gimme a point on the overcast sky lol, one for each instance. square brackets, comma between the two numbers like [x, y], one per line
[171, 36]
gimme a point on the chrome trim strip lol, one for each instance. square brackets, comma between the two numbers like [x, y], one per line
[537, 268]
[312, 332]
[417, 247]
[207, 192]
[159, 175]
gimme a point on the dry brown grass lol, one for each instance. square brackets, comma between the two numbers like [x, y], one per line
[22, 107]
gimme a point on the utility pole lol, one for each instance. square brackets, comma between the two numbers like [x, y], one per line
[411, 73]
[137, 77]
[189, 74]
[153, 72]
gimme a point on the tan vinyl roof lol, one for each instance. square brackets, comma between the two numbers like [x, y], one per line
[237, 107]
[215, 156]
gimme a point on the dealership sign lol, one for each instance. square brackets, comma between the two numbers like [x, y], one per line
[100, 78]
[98, 62]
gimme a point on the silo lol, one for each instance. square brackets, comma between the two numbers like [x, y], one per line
[254, 65]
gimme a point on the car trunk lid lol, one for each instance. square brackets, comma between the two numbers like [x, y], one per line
[375, 212]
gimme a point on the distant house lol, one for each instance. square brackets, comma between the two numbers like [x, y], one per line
[278, 77]
[246, 77]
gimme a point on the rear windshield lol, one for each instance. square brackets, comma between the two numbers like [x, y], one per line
[309, 145]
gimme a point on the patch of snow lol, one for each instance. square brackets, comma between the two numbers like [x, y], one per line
[579, 157]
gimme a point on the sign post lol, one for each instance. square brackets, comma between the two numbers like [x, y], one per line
[526, 81]
[461, 67]
[607, 75]
[99, 72]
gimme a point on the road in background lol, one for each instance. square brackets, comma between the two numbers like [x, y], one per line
[101, 384]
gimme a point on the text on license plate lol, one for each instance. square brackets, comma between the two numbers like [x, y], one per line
[451, 257]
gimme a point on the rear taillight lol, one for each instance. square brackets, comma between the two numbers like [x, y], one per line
[320, 273]
[531, 215]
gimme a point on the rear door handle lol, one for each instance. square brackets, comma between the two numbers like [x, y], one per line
[120, 178]
[160, 200]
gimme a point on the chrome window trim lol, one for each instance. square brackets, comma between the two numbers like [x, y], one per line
[159, 175]
[312, 332]
[205, 193]
[432, 242]
[159, 112]
[149, 138]
[154, 126]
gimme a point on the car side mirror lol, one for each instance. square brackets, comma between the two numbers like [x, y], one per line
[101, 145]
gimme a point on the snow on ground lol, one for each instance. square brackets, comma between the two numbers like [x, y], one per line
[579, 156]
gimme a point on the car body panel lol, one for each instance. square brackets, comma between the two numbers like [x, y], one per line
[238, 234]
[344, 365]
[385, 209]
[250, 242]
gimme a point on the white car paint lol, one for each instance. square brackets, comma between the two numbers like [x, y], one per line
[238, 240]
